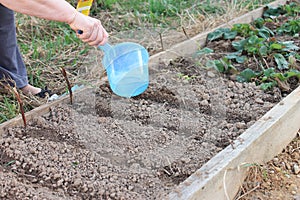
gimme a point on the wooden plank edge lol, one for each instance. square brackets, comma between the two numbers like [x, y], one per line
[221, 176]
[190, 46]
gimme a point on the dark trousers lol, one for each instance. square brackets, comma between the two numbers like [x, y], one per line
[11, 63]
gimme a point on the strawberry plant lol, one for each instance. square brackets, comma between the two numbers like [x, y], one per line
[292, 27]
[276, 60]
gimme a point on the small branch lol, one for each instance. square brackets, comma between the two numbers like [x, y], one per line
[161, 42]
[252, 190]
[16, 93]
[258, 64]
[186, 35]
[266, 63]
[167, 172]
[63, 71]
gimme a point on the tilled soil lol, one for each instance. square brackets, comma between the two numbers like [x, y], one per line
[107, 147]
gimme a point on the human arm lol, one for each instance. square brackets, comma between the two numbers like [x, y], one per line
[62, 11]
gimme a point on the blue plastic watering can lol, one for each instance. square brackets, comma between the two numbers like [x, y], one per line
[126, 65]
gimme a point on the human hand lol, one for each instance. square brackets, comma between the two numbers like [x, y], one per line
[93, 32]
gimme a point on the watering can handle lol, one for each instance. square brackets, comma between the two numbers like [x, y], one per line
[106, 47]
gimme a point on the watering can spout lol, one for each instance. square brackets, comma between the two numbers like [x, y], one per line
[106, 47]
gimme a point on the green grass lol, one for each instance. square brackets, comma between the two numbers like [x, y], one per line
[47, 46]
[8, 109]
[159, 12]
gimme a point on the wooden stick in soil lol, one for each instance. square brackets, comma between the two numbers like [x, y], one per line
[186, 35]
[16, 93]
[63, 71]
[161, 42]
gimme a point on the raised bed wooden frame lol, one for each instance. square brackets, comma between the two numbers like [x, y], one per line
[221, 177]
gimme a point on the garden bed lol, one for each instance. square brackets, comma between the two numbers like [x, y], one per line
[193, 127]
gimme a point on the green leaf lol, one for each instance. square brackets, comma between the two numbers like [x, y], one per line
[246, 76]
[252, 50]
[241, 59]
[216, 64]
[292, 73]
[223, 65]
[239, 45]
[276, 46]
[278, 75]
[268, 72]
[214, 35]
[217, 34]
[75, 163]
[253, 39]
[230, 35]
[281, 61]
[244, 30]
[273, 12]
[233, 55]
[264, 78]
[236, 56]
[265, 32]
[83, 51]
[291, 27]
[259, 22]
[225, 33]
[205, 50]
[263, 50]
[269, 85]
[10, 163]
[289, 46]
